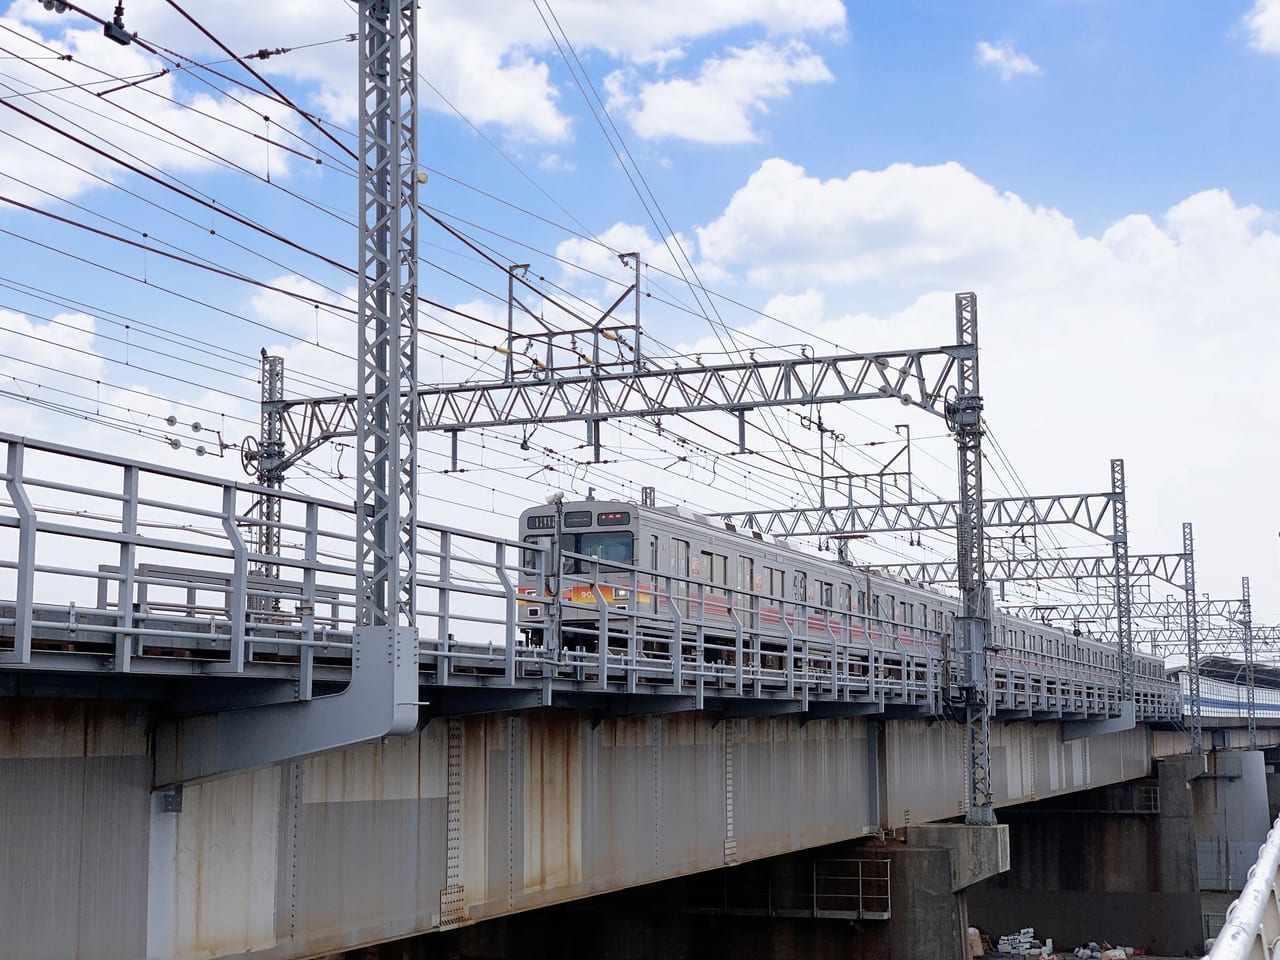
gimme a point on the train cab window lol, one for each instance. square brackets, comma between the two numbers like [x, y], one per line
[615, 546]
[529, 559]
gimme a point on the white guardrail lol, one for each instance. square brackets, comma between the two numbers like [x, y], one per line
[1252, 927]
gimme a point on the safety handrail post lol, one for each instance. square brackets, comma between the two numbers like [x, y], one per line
[677, 633]
[238, 596]
[443, 633]
[509, 604]
[26, 558]
[127, 557]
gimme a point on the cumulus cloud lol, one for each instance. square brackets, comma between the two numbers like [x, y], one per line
[718, 105]
[1263, 24]
[1150, 340]
[1002, 57]
[493, 61]
[904, 226]
[178, 131]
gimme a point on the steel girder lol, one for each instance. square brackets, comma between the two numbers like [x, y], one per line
[1090, 511]
[916, 377]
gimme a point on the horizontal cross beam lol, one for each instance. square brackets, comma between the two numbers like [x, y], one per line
[917, 378]
[1167, 567]
[1090, 511]
[1141, 610]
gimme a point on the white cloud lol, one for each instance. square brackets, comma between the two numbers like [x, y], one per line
[493, 60]
[720, 104]
[1152, 341]
[1263, 24]
[166, 134]
[786, 228]
[1008, 61]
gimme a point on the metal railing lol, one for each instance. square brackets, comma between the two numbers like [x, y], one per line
[1252, 926]
[112, 566]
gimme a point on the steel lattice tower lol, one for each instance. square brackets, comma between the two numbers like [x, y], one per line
[387, 421]
[1193, 639]
[965, 416]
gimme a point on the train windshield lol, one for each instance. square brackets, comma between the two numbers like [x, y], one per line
[616, 546]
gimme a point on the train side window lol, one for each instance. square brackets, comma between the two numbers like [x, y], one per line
[653, 553]
[846, 597]
[890, 607]
[715, 569]
[825, 599]
[774, 579]
[862, 602]
[680, 557]
[937, 620]
[746, 573]
[800, 583]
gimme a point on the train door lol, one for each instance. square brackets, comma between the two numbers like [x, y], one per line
[679, 574]
[800, 601]
[747, 605]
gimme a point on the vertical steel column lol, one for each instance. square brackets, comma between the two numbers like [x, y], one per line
[387, 413]
[1193, 639]
[1246, 610]
[637, 362]
[1123, 595]
[964, 414]
[265, 539]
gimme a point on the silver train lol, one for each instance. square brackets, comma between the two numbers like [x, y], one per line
[678, 565]
[1223, 698]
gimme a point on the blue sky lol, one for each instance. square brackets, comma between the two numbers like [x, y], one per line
[1099, 171]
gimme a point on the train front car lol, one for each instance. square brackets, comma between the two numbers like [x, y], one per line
[587, 559]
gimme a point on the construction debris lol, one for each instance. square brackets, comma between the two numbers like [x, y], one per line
[1024, 945]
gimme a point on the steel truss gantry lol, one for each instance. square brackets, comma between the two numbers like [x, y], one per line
[1089, 511]
[917, 378]
[1160, 566]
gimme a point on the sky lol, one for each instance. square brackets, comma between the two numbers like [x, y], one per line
[811, 174]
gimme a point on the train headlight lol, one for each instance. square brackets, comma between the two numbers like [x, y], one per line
[621, 593]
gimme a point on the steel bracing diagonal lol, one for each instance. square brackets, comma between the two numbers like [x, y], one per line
[1090, 511]
[1166, 567]
[916, 377]
[1172, 610]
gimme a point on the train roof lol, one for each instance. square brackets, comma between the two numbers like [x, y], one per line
[1232, 671]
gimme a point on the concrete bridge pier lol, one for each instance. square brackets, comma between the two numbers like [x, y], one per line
[932, 873]
[1127, 862]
